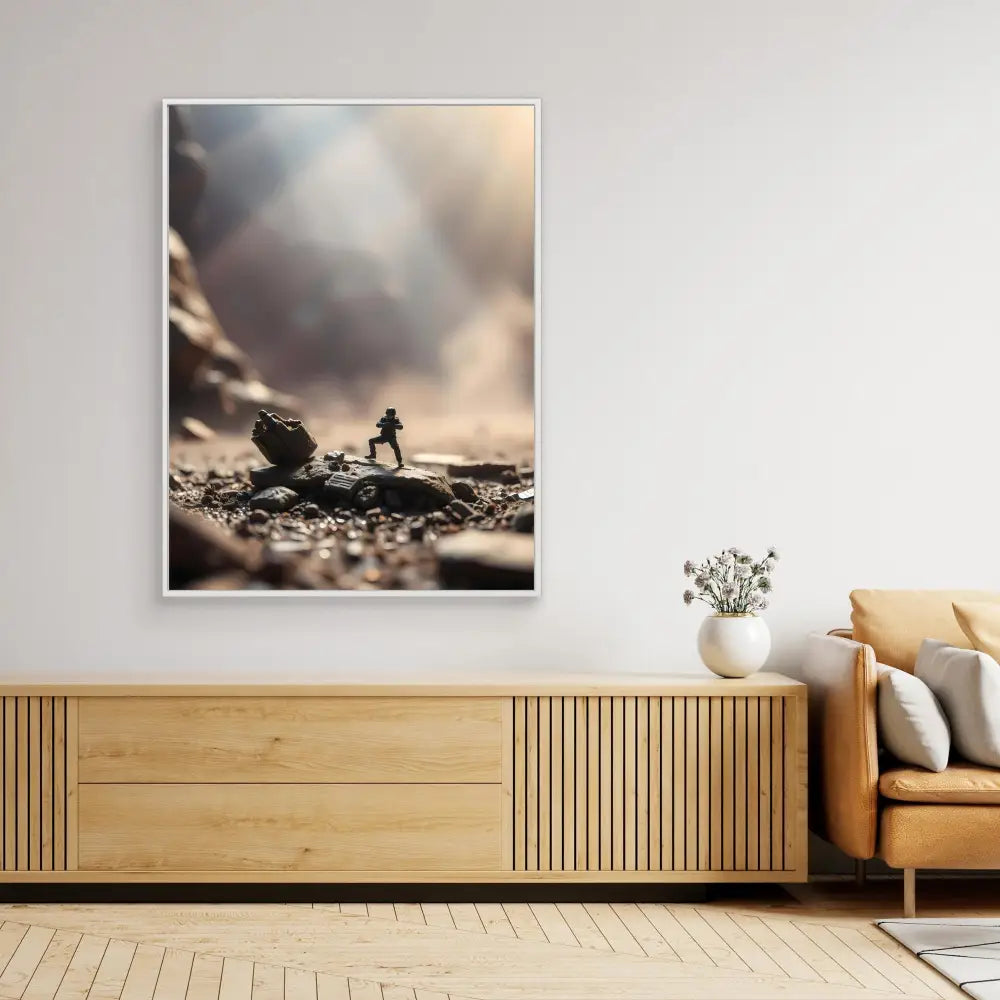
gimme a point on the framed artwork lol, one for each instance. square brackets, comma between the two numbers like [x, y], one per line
[351, 352]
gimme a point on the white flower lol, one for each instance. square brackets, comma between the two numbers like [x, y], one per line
[732, 581]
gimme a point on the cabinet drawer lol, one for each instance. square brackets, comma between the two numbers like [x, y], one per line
[289, 739]
[351, 828]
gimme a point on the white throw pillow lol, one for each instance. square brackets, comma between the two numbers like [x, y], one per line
[967, 683]
[911, 722]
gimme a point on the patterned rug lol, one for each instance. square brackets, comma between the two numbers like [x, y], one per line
[966, 951]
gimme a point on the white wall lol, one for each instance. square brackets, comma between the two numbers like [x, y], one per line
[770, 315]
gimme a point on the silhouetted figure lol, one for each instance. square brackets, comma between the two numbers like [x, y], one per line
[387, 425]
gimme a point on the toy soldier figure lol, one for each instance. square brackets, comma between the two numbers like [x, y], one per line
[387, 425]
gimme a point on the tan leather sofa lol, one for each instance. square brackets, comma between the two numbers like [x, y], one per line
[869, 805]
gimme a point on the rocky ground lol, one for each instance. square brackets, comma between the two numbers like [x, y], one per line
[337, 521]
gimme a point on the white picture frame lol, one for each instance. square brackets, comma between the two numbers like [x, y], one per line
[517, 595]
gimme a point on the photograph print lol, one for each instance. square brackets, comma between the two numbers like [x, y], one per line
[350, 347]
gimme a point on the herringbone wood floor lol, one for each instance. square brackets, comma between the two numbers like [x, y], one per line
[821, 945]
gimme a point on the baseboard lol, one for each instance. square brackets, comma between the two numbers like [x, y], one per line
[492, 892]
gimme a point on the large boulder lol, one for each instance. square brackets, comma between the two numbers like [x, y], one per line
[188, 174]
[341, 480]
[412, 483]
[207, 373]
[498, 472]
[366, 484]
[282, 442]
[194, 329]
[200, 548]
[306, 479]
[487, 560]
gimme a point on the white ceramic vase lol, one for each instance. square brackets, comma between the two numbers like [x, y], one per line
[734, 645]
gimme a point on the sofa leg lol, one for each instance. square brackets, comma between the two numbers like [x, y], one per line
[860, 871]
[909, 892]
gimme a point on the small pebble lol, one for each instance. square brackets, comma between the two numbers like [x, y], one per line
[464, 491]
[461, 509]
[524, 519]
[275, 498]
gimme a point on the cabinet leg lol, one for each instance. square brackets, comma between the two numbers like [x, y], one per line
[860, 871]
[909, 892]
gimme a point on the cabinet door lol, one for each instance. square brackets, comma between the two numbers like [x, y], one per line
[692, 784]
[275, 827]
[38, 773]
[249, 739]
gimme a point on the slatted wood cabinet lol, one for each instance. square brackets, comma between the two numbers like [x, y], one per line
[556, 779]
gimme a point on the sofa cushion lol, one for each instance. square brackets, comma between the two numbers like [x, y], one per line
[941, 835]
[960, 783]
[911, 723]
[895, 622]
[980, 621]
[967, 684]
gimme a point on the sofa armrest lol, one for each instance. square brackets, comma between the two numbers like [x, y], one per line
[843, 746]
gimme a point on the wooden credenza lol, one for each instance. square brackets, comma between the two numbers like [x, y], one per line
[559, 779]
